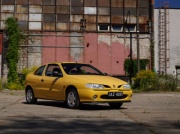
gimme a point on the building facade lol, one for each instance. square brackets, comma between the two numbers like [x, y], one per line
[98, 32]
[171, 43]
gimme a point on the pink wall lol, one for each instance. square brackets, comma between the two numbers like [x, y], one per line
[58, 50]
[107, 57]
[90, 49]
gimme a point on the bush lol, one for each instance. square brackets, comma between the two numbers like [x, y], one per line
[165, 82]
[14, 86]
[15, 37]
[1, 84]
[24, 73]
[20, 82]
[130, 66]
[144, 80]
[147, 80]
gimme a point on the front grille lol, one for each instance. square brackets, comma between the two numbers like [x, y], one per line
[117, 97]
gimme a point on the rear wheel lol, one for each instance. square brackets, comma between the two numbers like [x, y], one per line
[115, 105]
[72, 99]
[30, 99]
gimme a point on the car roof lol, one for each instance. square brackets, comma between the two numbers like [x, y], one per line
[59, 62]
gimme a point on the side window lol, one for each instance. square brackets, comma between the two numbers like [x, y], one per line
[51, 68]
[39, 71]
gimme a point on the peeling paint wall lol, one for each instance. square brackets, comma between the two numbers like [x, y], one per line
[105, 51]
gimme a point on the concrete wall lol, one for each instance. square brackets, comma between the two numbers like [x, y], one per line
[174, 39]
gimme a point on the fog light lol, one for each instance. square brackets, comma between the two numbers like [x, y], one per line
[95, 96]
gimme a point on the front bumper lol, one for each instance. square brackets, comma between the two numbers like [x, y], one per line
[102, 96]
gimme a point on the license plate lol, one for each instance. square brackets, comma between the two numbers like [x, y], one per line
[115, 94]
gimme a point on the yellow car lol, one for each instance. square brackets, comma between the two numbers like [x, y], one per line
[75, 83]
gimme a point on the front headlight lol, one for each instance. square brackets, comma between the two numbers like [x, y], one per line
[94, 86]
[126, 86]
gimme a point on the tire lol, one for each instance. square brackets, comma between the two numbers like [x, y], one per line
[30, 99]
[72, 99]
[115, 105]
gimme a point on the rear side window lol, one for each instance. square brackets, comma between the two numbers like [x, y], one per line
[39, 71]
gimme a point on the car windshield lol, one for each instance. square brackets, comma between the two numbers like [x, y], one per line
[80, 69]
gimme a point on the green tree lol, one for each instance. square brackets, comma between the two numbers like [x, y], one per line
[15, 37]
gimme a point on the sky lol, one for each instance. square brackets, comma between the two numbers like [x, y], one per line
[172, 3]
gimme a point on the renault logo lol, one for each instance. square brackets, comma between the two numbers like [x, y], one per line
[114, 86]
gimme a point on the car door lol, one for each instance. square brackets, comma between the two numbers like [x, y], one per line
[53, 84]
[37, 82]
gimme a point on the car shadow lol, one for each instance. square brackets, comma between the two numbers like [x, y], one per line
[84, 106]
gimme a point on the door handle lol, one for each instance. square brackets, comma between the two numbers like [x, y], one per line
[42, 80]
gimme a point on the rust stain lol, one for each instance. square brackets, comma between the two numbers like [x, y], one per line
[49, 9]
[62, 2]
[90, 3]
[117, 3]
[103, 3]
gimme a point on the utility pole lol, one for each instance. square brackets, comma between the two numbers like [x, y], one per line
[137, 30]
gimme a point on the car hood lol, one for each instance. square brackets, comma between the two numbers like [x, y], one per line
[98, 79]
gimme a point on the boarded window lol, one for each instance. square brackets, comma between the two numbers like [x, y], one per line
[90, 3]
[144, 3]
[5, 16]
[103, 3]
[91, 27]
[130, 11]
[130, 3]
[23, 25]
[48, 9]
[21, 2]
[21, 17]
[78, 3]
[62, 2]
[90, 18]
[143, 12]
[62, 9]
[90, 10]
[21, 8]
[103, 11]
[35, 17]
[7, 8]
[77, 10]
[116, 3]
[8, 2]
[35, 9]
[62, 26]
[76, 18]
[49, 26]
[104, 19]
[34, 25]
[62, 18]
[116, 11]
[35, 2]
[48, 17]
[48, 2]
[117, 19]
[75, 26]
[143, 28]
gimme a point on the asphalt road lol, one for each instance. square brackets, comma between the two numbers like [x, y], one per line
[148, 113]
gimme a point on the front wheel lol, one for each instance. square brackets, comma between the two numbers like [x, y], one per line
[115, 105]
[30, 99]
[72, 99]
